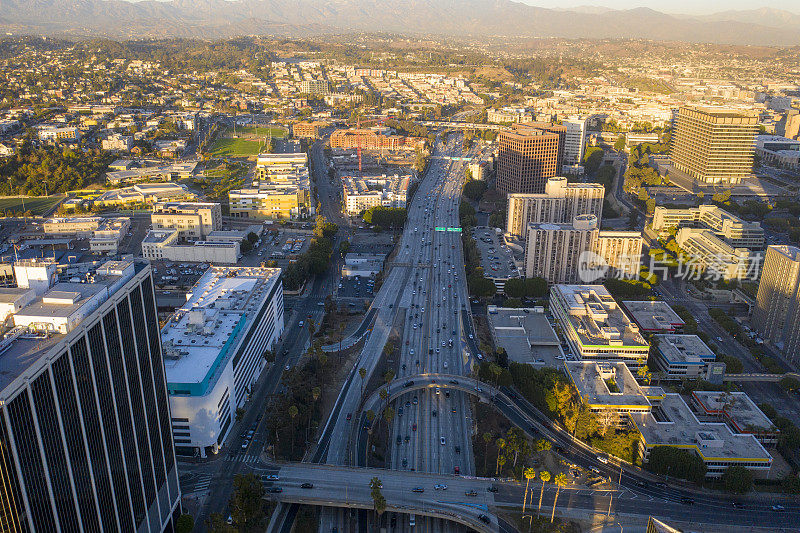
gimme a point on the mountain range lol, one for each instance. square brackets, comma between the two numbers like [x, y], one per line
[455, 18]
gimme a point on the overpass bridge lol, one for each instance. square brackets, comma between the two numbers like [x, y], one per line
[348, 487]
[755, 377]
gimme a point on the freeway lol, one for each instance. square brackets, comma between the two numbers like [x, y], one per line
[456, 499]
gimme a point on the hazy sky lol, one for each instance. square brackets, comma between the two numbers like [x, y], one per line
[675, 6]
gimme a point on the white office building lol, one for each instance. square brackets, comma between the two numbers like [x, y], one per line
[214, 351]
[575, 141]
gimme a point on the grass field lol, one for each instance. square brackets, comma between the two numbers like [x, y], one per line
[235, 148]
[277, 133]
[37, 205]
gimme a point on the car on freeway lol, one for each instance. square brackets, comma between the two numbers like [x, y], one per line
[418, 489]
[440, 486]
[274, 490]
[470, 493]
[349, 416]
[483, 518]
[442, 441]
[272, 477]
[307, 485]
[413, 427]
[491, 488]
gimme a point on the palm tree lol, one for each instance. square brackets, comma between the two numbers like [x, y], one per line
[560, 481]
[501, 443]
[292, 414]
[363, 373]
[501, 462]
[384, 396]
[315, 394]
[487, 438]
[529, 474]
[544, 475]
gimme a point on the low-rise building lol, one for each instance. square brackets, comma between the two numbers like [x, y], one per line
[730, 228]
[654, 316]
[739, 412]
[308, 130]
[363, 193]
[166, 245]
[595, 327]
[713, 256]
[214, 351]
[58, 134]
[611, 391]
[194, 220]
[680, 356]
[675, 425]
[104, 234]
[778, 151]
[117, 142]
[144, 193]
[362, 265]
[271, 201]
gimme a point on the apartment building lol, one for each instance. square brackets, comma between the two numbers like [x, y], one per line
[560, 203]
[733, 230]
[713, 257]
[271, 201]
[370, 139]
[315, 87]
[529, 155]
[363, 193]
[508, 115]
[595, 327]
[213, 351]
[58, 134]
[85, 435]
[308, 130]
[776, 316]
[574, 141]
[194, 220]
[581, 252]
[714, 145]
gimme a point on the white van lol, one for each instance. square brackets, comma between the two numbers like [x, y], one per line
[412, 520]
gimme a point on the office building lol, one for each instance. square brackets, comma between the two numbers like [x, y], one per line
[58, 134]
[85, 435]
[713, 257]
[580, 252]
[682, 356]
[776, 316]
[144, 193]
[714, 145]
[194, 220]
[269, 165]
[529, 155]
[778, 151]
[738, 411]
[730, 228]
[104, 234]
[719, 447]
[214, 351]
[654, 316]
[560, 203]
[363, 193]
[167, 245]
[595, 327]
[281, 189]
[610, 390]
[574, 141]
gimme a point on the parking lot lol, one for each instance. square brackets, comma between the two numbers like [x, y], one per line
[356, 287]
[278, 245]
[496, 258]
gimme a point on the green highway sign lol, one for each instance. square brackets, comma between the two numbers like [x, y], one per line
[440, 229]
[454, 229]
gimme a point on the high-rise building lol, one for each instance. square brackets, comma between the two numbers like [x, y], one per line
[574, 141]
[85, 436]
[529, 154]
[714, 145]
[214, 351]
[560, 203]
[315, 87]
[776, 316]
[580, 252]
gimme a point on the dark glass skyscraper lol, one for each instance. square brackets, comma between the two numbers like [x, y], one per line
[85, 437]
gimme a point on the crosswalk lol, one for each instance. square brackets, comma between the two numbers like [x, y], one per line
[249, 459]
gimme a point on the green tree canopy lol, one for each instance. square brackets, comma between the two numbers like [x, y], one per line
[737, 479]
[666, 460]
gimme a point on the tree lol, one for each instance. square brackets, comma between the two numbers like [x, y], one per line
[789, 383]
[737, 479]
[544, 475]
[529, 474]
[245, 246]
[619, 144]
[501, 443]
[239, 413]
[185, 524]
[246, 503]
[487, 439]
[666, 460]
[363, 373]
[216, 524]
[592, 159]
[292, 415]
[560, 481]
[252, 237]
[378, 500]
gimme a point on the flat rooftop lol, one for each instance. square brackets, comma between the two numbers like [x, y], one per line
[219, 309]
[677, 425]
[740, 410]
[525, 334]
[684, 349]
[22, 345]
[606, 384]
[596, 318]
[653, 315]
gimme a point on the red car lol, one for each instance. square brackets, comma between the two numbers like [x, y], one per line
[457, 470]
[349, 416]
[413, 427]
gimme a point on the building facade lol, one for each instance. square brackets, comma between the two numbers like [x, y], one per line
[560, 203]
[714, 145]
[194, 220]
[85, 434]
[529, 155]
[735, 231]
[776, 316]
[166, 245]
[574, 141]
[214, 351]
